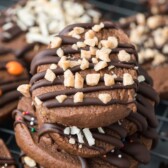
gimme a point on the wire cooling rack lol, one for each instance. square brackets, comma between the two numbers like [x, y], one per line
[112, 10]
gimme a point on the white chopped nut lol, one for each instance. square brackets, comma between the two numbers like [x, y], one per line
[80, 138]
[95, 60]
[67, 131]
[154, 21]
[60, 52]
[141, 78]
[108, 43]
[165, 49]
[84, 64]
[50, 75]
[85, 54]
[78, 97]
[105, 97]
[140, 18]
[77, 36]
[90, 34]
[100, 129]
[90, 42]
[74, 63]
[100, 65]
[97, 28]
[127, 79]
[38, 101]
[124, 56]
[69, 79]
[56, 42]
[78, 30]
[53, 66]
[74, 130]
[89, 136]
[79, 81]
[72, 141]
[93, 50]
[111, 67]
[101, 54]
[24, 89]
[92, 79]
[80, 44]
[109, 80]
[61, 98]
[29, 161]
[63, 63]
[114, 41]
[75, 47]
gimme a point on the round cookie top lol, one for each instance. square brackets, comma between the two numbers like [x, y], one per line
[88, 78]
[12, 74]
[27, 26]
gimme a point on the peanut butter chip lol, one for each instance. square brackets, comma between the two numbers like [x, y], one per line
[100, 65]
[78, 97]
[109, 80]
[61, 98]
[127, 79]
[105, 98]
[92, 79]
[50, 75]
[56, 42]
[69, 79]
[24, 89]
[79, 81]
[124, 56]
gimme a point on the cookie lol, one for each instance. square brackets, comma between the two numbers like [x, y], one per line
[135, 147]
[12, 74]
[6, 159]
[158, 6]
[43, 19]
[150, 35]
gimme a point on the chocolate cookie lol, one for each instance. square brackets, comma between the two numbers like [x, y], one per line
[12, 74]
[150, 35]
[27, 26]
[6, 159]
[158, 6]
[135, 147]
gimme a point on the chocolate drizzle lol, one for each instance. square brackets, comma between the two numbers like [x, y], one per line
[8, 161]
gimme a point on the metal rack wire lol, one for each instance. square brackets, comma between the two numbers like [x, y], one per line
[112, 10]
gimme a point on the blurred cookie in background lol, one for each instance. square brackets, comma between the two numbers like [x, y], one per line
[27, 26]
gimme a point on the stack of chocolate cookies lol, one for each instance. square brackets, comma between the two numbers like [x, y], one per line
[88, 103]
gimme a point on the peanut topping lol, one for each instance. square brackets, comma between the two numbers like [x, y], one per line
[105, 98]
[38, 101]
[90, 42]
[53, 66]
[78, 97]
[56, 42]
[79, 81]
[100, 65]
[69, 79]
[24, 89]
[124, 56]
[63, 63]
[60, 52]
[50, 75]
[84, 64]
[61, 98]
[90, 34]
[92, 79]
[127, 79]
[80, 44]
[109, 80]
[85, 54]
